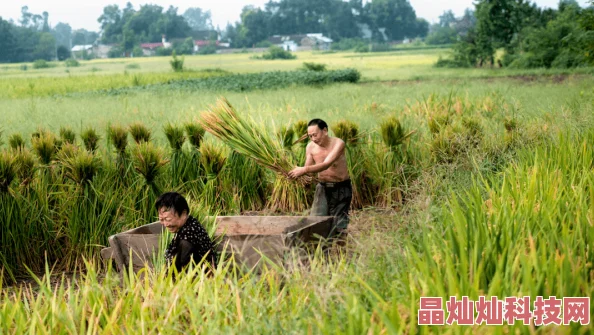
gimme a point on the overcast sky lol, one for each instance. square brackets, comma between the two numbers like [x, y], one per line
[84, 14]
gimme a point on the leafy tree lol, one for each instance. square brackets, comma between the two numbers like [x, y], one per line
[63, 34]
[397, 17]
[198, 19]
[63, 53]
[8, 42]
[46, 47]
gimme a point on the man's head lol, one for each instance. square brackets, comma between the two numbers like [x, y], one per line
[173, 210]
[317, 131]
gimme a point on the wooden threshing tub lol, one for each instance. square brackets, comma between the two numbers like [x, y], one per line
[247, 238]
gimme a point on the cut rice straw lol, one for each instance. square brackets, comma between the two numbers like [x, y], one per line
[249, 138]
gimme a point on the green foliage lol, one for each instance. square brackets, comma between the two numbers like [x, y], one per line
[380, 47]
[311, 66]
[177, 65]
[132, 66]
[269, 80]
[63, 53]
[350, 44]
[41, 64]
[275, 52]
[71, 62]
[207, 50]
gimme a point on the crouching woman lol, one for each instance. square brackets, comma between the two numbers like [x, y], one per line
[191, 241]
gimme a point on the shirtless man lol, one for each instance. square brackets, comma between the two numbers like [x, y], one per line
[325, 155]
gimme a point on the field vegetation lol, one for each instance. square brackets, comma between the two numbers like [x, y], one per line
[462, 186]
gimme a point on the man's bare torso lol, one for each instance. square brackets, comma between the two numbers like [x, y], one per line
[338, 171]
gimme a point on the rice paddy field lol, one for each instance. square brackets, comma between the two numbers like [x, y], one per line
[473, 182]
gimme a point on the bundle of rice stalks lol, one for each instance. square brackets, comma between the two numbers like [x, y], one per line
[348, 131]
[175, 136]
[118, 136]
[212, 158]
[248, 138]
[215, 195]
[148, 161]
[44, 145]
[16, 142]
[80, 166]
[7, 170]
[90, 139]
[195, 133]
[25, 166]
[300, 129]
[67, 135]
[248, 180]
[393, 134]
[140, 133]
[286, 136]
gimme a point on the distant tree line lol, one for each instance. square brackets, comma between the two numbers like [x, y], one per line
[379, 20]
[531, 37]
[33, 38]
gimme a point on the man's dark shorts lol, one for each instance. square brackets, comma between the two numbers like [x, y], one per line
[334, 199]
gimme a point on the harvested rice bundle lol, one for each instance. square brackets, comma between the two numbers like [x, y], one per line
[249, 138]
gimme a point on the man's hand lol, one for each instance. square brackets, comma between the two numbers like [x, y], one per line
[297, 172]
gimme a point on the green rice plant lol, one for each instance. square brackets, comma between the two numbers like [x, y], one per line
[195, 133]
[511, 234]
[90, 139]
[44, 145]
[140, 133]
[16, 142]
[348, 131]
[67, 135]
[25, 166]
[7, 170]
[393, 134]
